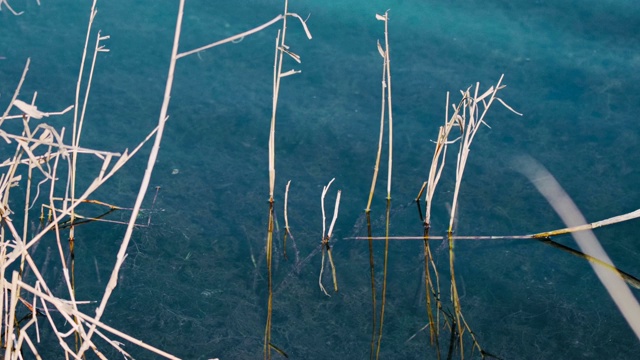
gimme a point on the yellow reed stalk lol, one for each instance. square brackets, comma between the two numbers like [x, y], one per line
[586, 240]
[545, 237]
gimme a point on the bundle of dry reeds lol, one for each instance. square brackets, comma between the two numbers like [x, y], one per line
[40, 152]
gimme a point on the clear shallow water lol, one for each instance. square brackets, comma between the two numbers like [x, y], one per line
[189, 284]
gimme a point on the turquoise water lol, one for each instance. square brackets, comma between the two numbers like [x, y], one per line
[189, 285]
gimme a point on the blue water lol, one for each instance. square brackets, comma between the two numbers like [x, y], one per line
[189, 285]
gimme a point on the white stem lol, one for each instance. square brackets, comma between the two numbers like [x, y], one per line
[145, 180]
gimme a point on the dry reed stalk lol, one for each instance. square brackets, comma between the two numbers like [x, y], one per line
[386, 84]
[9, 341]
[235, 37]
[430, 288]
[541, 235]
[25, 219]
[277, 66]
[586, 240]
[333, 222]
[469, 118]
[55, 223]
[544, 237]
[6, 3]
[77, 132]
[287, 229]
[469, 125]
[435, 172]
[612, 220]
[368, 208]
[376, 167]
[326, 247]
[64, 308]
[12, 178]
[16, 92]
[438, 159]
[77, 129]
[145, 181]
[27, 144]
[280, 50]
[269, 250]
[80, 219]
[373, 285]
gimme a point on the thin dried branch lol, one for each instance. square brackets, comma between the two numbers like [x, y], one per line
[232, 38]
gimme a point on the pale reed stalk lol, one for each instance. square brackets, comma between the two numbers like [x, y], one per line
[586, 240]
[145, 181]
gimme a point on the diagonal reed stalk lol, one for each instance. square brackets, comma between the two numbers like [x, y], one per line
[162, 119]
[586, 240]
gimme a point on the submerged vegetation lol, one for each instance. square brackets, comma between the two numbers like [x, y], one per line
[43, 161]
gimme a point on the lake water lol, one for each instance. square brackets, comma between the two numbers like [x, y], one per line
[194, 282]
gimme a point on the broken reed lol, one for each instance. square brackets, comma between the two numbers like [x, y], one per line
[326, 247]
[468, 117]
